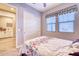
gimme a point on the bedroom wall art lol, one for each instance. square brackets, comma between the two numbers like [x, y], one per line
[9, 24]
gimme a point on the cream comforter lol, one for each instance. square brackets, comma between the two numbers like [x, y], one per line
[52, 47]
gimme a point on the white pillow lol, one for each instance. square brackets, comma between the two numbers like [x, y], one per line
[37, 40]
[76, 45]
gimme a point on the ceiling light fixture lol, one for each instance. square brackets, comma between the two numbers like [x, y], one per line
[11, 8]
[44, 4]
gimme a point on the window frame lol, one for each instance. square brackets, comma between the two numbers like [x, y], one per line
[65, 31]
[57, 23]
[49, 23]
[67, 22]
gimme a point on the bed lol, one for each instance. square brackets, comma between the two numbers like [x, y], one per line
[45, 46]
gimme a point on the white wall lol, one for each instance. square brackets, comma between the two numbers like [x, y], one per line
[27, 23]
[19, 27]
[31, 25]
[32, 22]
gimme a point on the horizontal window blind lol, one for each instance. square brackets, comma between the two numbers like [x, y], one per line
[65, 20]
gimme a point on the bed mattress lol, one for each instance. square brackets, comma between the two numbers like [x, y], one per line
[44, 46]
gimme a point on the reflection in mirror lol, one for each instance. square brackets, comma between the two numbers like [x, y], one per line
[6, 26]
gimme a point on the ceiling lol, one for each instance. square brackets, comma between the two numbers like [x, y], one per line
[5, 7]
[40, 6]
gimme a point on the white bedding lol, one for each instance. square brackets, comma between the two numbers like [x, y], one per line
[51, 47]
[56, 43]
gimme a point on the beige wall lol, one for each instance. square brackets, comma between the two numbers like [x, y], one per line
[71, 36]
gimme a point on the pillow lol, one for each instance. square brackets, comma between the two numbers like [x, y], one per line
[76, 45]
[43, 39]
[77, 40]
[23, 49]
[37, 40]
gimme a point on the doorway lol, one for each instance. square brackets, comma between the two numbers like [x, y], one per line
[7, 28]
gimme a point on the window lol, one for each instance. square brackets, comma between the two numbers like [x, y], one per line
[51, 21]
[66, 22]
